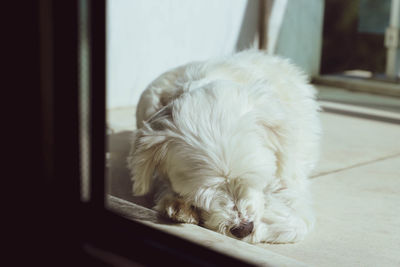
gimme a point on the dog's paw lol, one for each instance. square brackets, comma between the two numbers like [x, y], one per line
[282, 233]
[277, 235]
[177, 210]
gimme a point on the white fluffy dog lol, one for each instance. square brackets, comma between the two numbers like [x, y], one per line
[234, 141]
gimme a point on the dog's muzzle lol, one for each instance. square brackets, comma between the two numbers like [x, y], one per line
[243, 230]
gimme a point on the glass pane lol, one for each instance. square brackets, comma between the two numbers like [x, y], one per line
[354, 38]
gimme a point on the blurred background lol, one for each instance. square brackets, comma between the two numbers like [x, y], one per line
[146, 38]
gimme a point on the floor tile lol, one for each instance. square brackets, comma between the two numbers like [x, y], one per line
[121, 119]
[349, 141]
[358, 222]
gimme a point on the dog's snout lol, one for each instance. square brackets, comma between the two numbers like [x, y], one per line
[243, 230]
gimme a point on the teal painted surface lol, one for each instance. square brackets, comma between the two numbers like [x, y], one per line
[300, 37]
[374, 16]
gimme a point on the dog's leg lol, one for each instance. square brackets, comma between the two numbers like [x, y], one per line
[175, 208]
[285, 221]
[289, 228]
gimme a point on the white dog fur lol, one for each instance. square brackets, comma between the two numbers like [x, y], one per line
[233, 141]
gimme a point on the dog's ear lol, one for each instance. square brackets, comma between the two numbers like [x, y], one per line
[268, 114]
[148, 150]
[277, 133]
[273, 134]
[273, 125]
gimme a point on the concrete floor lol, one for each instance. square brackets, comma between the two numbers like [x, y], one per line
[356, 189]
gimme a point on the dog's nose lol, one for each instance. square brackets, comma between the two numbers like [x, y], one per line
[243, 230]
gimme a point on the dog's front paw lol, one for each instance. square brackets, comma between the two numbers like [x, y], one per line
[178, 210]
[291, 231]
[279, 235]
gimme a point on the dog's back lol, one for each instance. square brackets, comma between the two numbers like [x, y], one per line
[284, 83]
[244, 68]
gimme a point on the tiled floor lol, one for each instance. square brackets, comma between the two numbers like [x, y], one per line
[356, 189]
[358, 222]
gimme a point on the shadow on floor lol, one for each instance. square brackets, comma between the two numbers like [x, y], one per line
[119, 181]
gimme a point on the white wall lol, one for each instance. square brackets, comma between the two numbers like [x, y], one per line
[147, 37]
